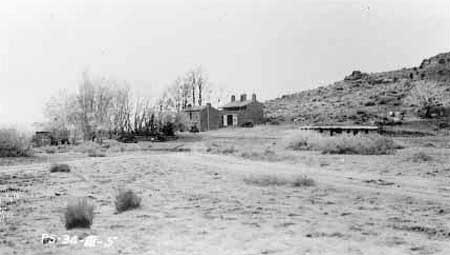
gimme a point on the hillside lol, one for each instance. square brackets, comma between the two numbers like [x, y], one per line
[361, 98]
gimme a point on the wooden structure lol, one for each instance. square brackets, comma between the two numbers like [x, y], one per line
[42, 138]
[343, 129]
[203, 117]
[237, 113]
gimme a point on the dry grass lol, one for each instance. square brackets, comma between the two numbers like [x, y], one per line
[59, 168]
[87, 147]
[126, 200]
[50, 149]
[79, 214]
[14, 144]
[96, 153]
[220, 148]
[273, 180]
[420, 157]
[341, 144]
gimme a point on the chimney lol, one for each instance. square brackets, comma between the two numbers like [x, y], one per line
[233, 98]
[243, 97]
[254, 97]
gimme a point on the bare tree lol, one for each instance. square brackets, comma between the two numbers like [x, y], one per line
[62, 114]
[99, 106]
[192, 87]
[427, 95]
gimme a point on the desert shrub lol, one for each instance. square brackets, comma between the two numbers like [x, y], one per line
[228, 150]
[50, 149]
[79, 214]
[127, 138]
[96, 153]
[220, 148]
[420, 157]
[273, 180]
[86, 147]
[194, 129]
[126, 200]
[301, 140]
[359, 144]
[426, 95]
[274, 122]
[342, 144]
[303, 181]
[248, 124]
[64, 148]
[168, 129]
[63, 168]
[14, 144]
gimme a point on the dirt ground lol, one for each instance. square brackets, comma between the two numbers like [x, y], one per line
[195, 202]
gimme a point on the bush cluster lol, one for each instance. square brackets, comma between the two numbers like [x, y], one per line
[126, 200]
[79, 214]
[14, 144]
[373, 144]
[273, 180]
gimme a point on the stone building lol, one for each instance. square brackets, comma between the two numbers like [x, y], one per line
[203, 117]
[242, 112]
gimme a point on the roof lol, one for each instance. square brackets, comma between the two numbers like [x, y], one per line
[197, 108]
[237, 104]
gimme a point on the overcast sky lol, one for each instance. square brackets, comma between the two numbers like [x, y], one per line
[266, 47]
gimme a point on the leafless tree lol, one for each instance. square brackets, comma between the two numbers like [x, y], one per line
[426, 95]
[192, 87]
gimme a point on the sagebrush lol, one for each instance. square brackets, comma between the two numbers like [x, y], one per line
[420, 157]
[61, 168]
[273, 180]
[79, 214]
[372, 144]
[96, 153]
[126, 200]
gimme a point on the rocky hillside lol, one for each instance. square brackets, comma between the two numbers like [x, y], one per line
[361, 98]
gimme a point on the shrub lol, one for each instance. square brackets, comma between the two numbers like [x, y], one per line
[96, 153]
[86, 147]
[303, 181]
[194, 129]
[426, 95]
[300, 140]
[62, 168]
[248, 124]
[420, 157]
[14, 144]
[50, 149]
[274, 122]
[168, 129]
[272, 180]
[79, 214]
[221, 148]
[341, 144]
[127, 138]
[359, 144]
[126, 200]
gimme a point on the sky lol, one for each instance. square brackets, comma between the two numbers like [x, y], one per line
[265, 47]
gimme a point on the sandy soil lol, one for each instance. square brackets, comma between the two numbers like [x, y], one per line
[198, 203]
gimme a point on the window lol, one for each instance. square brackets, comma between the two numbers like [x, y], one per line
[190, 115]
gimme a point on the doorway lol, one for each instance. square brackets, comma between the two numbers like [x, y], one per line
[229, 120]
